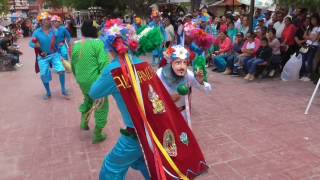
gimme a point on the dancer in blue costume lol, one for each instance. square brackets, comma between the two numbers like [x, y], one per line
[43, 38]
[62, 36]
[156, 22]
[127, 152]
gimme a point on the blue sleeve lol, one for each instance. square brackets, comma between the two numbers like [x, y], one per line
[31, 44]
[67, 35]
[104, 86]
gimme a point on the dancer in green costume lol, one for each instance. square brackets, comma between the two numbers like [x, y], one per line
[88, 60]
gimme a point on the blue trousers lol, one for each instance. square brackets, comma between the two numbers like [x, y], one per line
[220, 62]
[307, 61]
[44, 65]
[63, 50]
[251, 65]
[126, 153]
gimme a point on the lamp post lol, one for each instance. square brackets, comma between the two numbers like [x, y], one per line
[251, 15]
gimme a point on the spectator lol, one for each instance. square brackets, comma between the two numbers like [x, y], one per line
[260, 25]
[263, 56]
[248, 50]
[225, 46]
[180, 32]
[232, 31]
[268, 19]
[237, 20]
[279, 24]
[169, 33]
[223, 24]
[299, 36]
[236, 50]
[275, 59]
[288, 42]
[245, 25]
[257, 16]
[312, 37]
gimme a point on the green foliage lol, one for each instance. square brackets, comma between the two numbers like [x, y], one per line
[4, 6]
[115, 7]
[312, 4]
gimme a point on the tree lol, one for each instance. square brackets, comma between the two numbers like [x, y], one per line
[310, 4]
[4, 6]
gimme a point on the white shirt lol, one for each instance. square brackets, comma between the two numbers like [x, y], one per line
[315, 32]
[192, 82]
[251, 45]
[279, 27]
[237, 24]
[169, 32]
[180, 30]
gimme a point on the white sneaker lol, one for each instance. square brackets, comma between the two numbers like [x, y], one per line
[306, 79]
[271, 73]
[302, 78]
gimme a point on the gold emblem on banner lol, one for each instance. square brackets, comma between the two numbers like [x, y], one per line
[169, 143]
[157, 103]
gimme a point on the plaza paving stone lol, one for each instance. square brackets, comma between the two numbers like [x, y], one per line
[249, 131]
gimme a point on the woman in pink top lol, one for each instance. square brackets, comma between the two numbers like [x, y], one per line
[225, 46]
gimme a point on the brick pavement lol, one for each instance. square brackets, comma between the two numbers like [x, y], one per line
[246, 130]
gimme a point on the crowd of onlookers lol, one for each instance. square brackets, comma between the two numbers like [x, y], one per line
[264, 51]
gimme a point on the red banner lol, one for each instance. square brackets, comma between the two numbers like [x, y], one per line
[166, 121]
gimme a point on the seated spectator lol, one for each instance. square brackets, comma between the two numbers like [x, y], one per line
[232, 31]
[312, 37]
[260, 25]
[236, 50]
[288, 42]
[261, 33]
[275, 59]
[225, 46]
[245, 25]
[248, 50]
[263, 55]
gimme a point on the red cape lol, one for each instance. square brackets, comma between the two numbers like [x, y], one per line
[189, 158]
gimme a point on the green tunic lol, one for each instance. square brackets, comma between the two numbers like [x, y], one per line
[88, 60]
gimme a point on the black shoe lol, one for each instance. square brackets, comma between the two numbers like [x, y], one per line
[214, 69]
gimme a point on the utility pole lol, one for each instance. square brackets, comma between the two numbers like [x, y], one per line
[251, 15]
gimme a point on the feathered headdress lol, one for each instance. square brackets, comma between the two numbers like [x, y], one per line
[176, 52]
[201, 38]
[121, 38]
[55, 18]
[43, 15]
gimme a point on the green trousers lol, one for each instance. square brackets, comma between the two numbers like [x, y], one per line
[100, 114]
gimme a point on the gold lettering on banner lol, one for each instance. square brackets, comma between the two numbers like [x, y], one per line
[119, 82]
[144, 75]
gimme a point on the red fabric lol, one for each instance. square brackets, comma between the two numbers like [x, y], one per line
[36, 66]
[288, 34]
[163, 62]
[189, 157]
[225, 46]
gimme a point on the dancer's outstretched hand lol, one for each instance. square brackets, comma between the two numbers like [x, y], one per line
[200, 76]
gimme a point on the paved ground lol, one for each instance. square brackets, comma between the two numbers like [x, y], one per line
[246, 130]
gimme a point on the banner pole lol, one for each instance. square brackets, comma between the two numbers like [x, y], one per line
[312, 97]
